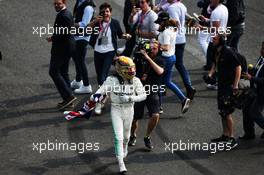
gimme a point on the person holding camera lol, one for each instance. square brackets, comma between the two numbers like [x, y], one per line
[142, 25]
[253, 112]
[228, 68]
[152, 80]
[167, 39]
[105, 43]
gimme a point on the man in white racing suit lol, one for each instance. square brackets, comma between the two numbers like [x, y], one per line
[124, 89]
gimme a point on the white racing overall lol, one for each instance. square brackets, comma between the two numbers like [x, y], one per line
[122, 112]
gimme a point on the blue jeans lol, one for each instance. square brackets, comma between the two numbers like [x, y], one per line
[179, 51]
[103, 62]
[170, 61]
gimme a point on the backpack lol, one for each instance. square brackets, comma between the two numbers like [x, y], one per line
[236, 10]
[241, 58]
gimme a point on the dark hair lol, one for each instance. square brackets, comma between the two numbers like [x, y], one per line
[169, 23]
[105, 6]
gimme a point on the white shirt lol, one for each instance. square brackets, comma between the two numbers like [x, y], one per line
[168, 36]
[105, 48]
[220, 13]
[178, 11]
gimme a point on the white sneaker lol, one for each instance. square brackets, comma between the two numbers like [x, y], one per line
[212, 86]
[98, 109]
[84, 90]
[122, 166]
[76, 84]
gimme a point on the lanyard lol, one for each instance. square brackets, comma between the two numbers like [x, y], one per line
[104, 30]
[260, 61]
[259, 66]
[142, 17]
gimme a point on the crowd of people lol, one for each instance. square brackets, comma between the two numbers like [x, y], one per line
[156, 40]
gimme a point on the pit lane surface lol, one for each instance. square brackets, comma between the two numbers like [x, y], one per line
[28, 114]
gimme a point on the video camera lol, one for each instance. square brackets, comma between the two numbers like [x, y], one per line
[141, 63]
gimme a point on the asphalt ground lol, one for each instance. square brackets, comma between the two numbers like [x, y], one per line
[28, 114]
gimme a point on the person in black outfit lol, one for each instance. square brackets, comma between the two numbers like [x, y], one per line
[228, 69]
[236, 21]
[63, 45]
[253, 112]
[151, 78]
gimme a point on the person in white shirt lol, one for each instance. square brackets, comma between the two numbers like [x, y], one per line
[142, 25]
[105, 44]
[83, 13]
[167, 38]
[218, 24]
[178, 11]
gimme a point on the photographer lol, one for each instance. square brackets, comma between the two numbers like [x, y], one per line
[228, 69]
[152, 79]
[252, 112]
[142, 25]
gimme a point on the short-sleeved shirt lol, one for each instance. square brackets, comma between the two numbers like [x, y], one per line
[220, 13]
[177, 11]
[226, 67]
[146, 22]
[168, 37]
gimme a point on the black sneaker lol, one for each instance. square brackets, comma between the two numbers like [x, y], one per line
[66, 102]
[247, 137]
[223, 138]
[232, 143]
[132, 141]
[185, 105]
[262, 136]
[148, 143]
[191, 92]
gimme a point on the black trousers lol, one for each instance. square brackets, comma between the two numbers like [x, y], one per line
[234, 37]
[103, 62]
[210, 55]
[79, 60]
[58, 71]
[253, 114]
